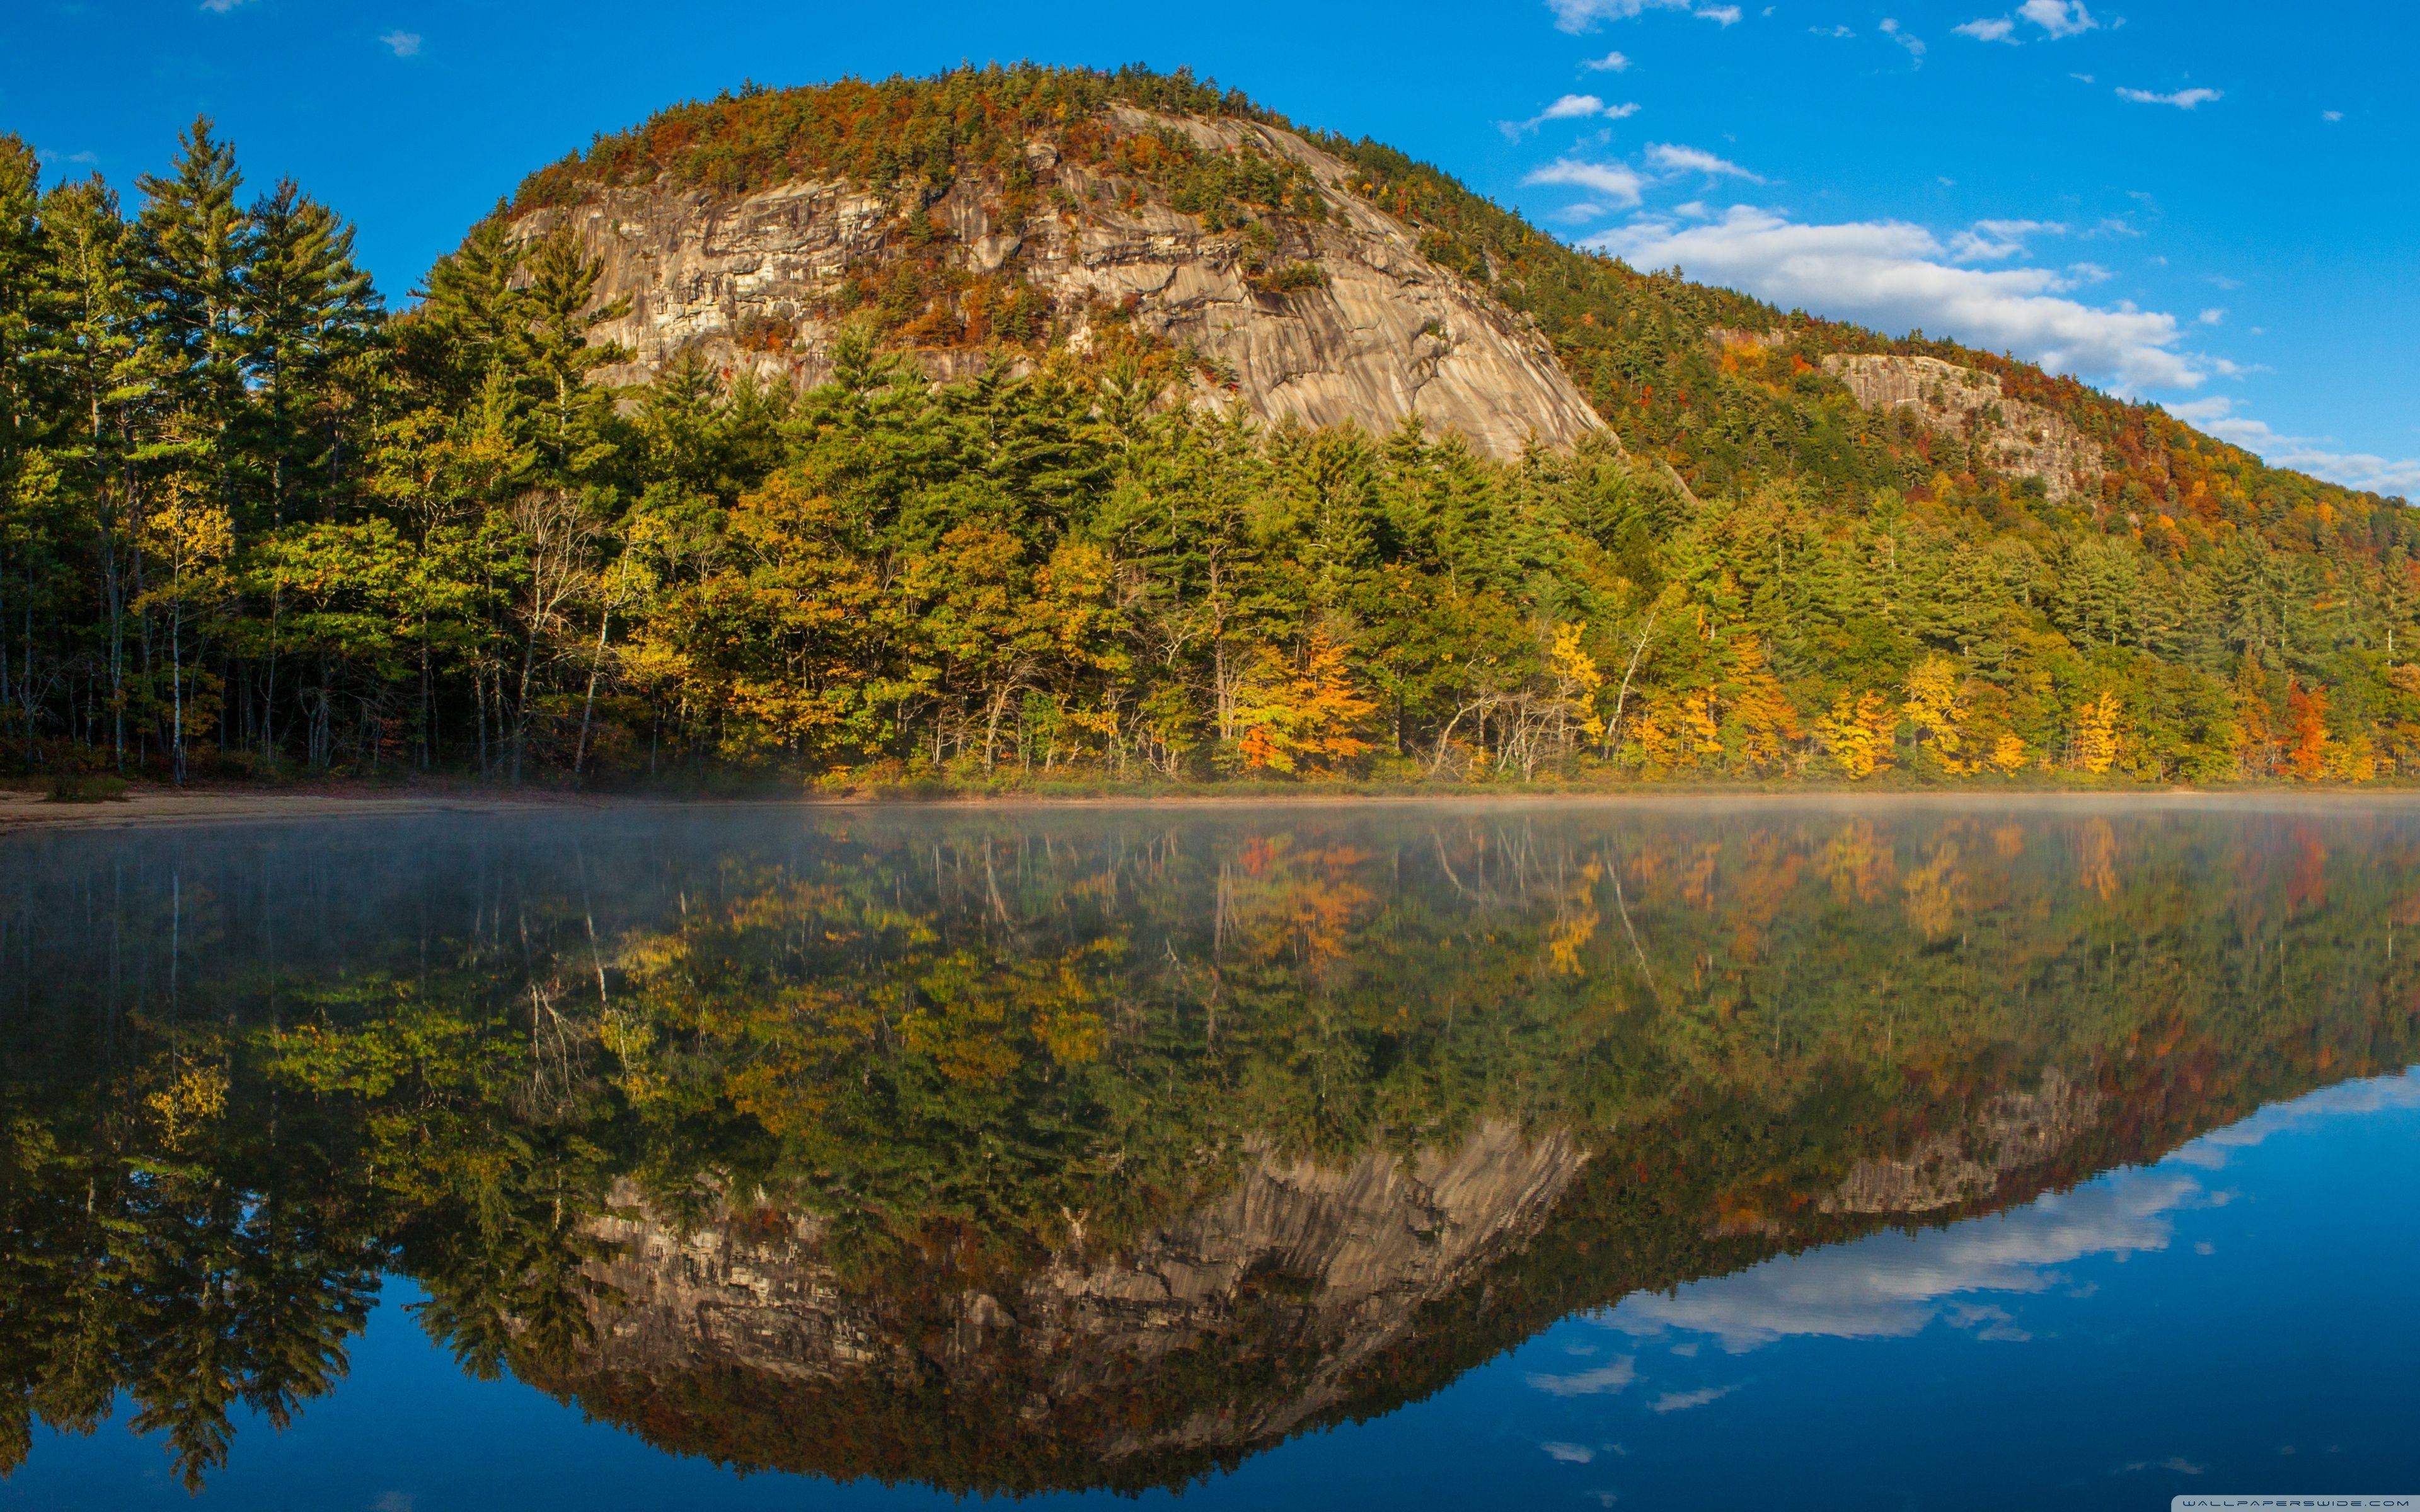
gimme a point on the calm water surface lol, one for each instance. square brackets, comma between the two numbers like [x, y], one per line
[2054, 1154]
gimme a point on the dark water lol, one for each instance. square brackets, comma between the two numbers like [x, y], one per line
[1681, 1156]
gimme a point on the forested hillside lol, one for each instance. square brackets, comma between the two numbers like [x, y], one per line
[255, 521]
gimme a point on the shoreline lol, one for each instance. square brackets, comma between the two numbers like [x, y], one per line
[150, 805]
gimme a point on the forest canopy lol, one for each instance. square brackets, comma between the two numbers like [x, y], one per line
[253, 522]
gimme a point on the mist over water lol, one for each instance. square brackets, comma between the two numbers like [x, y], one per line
[1684, 1154]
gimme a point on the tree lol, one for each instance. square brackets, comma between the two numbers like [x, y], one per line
[1858, 732]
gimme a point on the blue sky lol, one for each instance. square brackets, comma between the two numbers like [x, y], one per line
[2208, 204]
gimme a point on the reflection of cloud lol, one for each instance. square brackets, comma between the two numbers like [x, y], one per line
[2378, 1094]
[1681, 1401]
[1595, 1382]
[1988, 1322]
[1890, 1285]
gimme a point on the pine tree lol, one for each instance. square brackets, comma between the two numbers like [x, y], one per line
[309, 309]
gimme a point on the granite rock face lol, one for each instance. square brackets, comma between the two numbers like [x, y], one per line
[750, 282]
[2020, 439]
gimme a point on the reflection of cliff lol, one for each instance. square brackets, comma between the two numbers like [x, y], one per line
[2017, 1130]
[1224, 1330]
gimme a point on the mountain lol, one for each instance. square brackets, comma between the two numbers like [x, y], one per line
[1322, 309]
[1313, 276]
[1029, 425]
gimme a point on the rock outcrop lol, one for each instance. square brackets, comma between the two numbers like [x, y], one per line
[2013, 436]
[1385, 334]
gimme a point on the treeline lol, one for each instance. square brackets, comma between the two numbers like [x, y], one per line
[251, 523]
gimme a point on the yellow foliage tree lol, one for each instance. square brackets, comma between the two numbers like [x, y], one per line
[1938, 711]
[2096, 732]
[1292, 718]
[1858, 732]
[1577, 677]
[1766, 720]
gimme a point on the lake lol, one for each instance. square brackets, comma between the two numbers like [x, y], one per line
[1820, 1154]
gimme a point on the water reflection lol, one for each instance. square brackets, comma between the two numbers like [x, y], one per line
[1014, 1153]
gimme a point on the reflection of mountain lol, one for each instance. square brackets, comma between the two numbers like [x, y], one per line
[1228, 1330]
[1306, 1294]
[1092, 1149]
[2016, 1130]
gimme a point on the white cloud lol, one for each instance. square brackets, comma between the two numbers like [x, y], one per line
[1836, 32]
[1992, 30]
[2212, 317]
[1992, 241]
[83, 159]
[1586, 15]
[2090, 273]
[1597, 1382]
[1914, 45]
[2061, 18]
[1894, 274]
[1610, 63]
[1672, 159]
[1573, 107]
[2332, 115]
[1576, 215]
[1570, 1453]
[1569, 108]
[402, 44]
[2304, 454]
[1681, 1401]
[1616, 181]
[2182, 98]
[220, 7]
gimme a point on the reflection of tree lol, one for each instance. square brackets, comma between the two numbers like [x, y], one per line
[224, 1276]
[960, 1052]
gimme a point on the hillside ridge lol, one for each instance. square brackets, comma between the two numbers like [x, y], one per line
[2129, 454]
[1317, 307]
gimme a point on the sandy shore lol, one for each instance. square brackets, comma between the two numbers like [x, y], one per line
[148, 804]
[157, 804]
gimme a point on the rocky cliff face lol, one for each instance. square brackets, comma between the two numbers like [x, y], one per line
[2020, 439]
[1309, 1270]
[751, 282]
